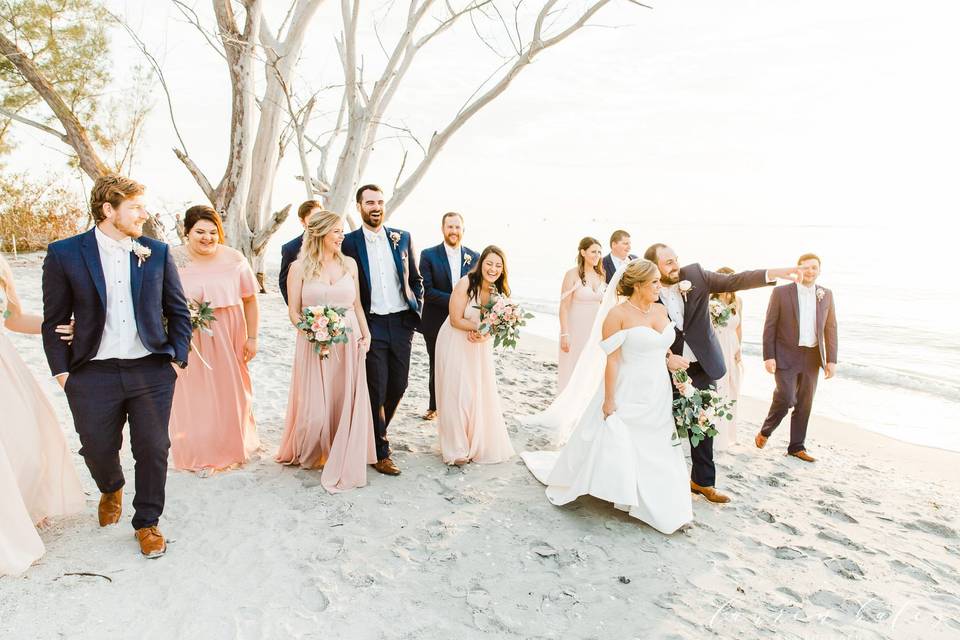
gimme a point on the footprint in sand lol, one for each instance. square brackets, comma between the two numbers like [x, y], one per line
[328, 549]
[313, 598]
[834, 511]
[832, 491]
[845, 567]
[914, 572]
[935, 528]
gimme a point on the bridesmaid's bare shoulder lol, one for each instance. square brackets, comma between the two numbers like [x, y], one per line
[180, 256]
[349, 263]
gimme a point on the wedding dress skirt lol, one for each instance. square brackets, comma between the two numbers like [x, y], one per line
[629, 458]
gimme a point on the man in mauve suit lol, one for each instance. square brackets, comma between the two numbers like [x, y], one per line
[441, 267]
[291, 250]
[391, 292]
[685, 291]
[619, 253]
[799, 338]
[132, 323]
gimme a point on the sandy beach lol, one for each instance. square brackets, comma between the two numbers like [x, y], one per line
[865, 543]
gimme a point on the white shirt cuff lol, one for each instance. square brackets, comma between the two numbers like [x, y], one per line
[766, 274]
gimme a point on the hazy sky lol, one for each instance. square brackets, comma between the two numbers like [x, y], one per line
[814, 113]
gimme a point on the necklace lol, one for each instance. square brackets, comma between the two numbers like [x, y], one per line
[639, 309]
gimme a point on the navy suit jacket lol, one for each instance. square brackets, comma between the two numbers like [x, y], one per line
[74, 286]
[781, 329]
[609, 269]
[288, 254]
[437, 287]
[697, 326]
[411, 284]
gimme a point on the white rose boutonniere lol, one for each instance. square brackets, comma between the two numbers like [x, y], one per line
[821, 292]
[141, 252]
[685, 287]
[395, 238]
[467, 259]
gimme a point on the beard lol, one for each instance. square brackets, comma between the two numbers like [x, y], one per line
[131, 229]
[372, 218]
[669, 279]
[453, 239]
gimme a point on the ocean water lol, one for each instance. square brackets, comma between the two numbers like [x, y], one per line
[897, 304]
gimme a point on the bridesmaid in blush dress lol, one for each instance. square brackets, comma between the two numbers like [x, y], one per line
[583, 288]
[329, 419]
[730, 338]
[469, 417]
[211, 424]
[37, 477]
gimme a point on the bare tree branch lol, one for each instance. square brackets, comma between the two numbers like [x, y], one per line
[37, 125]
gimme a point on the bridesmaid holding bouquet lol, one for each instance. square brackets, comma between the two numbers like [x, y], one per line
[469, 416]
[329, 419]
[211, 425]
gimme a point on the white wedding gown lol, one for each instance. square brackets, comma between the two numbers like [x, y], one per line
[628, 459]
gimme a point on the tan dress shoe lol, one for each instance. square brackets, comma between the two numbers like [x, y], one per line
[760, 441]
[709, 493]
[387, 467]
[430, 415]
[803, 455]
[151, 542]
[111, 505]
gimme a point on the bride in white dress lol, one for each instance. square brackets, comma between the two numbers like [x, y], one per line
[622, 448]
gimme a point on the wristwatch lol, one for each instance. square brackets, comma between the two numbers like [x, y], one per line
[180, 363]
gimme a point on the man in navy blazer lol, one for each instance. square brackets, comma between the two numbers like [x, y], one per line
[619, 253]
[441, 266]
[132, 322]
[685, 291]
[291, 250]
[391, 293]
[799, 338]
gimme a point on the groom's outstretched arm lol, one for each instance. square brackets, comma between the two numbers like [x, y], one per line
[57, 309]
[179, 329]
[723, 283]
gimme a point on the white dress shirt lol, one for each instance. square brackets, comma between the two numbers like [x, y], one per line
[385, 296]
[453, 259]
[673, 300]
[617, 262]
[807, 300]
[120, 338]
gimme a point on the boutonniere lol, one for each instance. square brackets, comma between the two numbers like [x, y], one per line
[403, 256]
[141, 252]
[395, 238]
[685, 287]
[467, 258]
[821, 292]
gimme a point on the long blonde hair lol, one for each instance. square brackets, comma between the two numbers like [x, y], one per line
[319, 224]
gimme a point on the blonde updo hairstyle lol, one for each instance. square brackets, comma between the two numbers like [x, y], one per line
[638, 273]
[319, 224]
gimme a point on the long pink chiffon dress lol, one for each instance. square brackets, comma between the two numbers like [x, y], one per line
[469, 416]
[211, 424]
[329, 420]
[584, 304]
[37, 476]
[729, 385]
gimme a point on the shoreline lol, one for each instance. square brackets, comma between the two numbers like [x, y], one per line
[937, 464]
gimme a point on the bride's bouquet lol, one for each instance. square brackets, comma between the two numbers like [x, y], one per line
[697, 411]
[502, 318]
[324, 326]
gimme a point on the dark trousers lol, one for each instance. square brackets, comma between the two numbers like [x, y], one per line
[702, 471]
[388, 368]
[795, 388]
[105, 394]
[431, 341]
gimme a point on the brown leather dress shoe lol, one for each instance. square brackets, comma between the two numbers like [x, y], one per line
[151, 542]
[430, 415]
[760, 441]
[709, 493]
[386, 467]
[111, 505]
[803, 455]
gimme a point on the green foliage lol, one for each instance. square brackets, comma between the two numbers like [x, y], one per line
[67, 40]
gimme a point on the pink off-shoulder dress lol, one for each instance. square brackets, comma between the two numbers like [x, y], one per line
[211, 425]
[329, 419]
